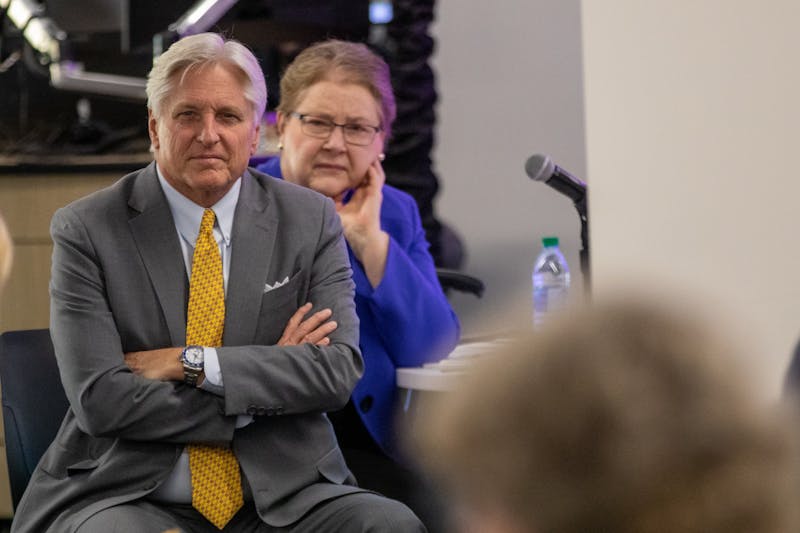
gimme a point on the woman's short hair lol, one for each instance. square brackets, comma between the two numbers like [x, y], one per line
[200, 50]
[345, 61]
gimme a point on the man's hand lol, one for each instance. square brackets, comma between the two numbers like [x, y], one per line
[163, 364]
[313, 330]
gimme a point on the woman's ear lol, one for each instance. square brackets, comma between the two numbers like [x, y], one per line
[281, 122]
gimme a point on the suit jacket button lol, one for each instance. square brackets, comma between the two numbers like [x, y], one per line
[261, 411]
[251, 410]
[279, 410]
[366, 404]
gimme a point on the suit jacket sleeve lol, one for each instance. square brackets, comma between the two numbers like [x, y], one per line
[90, 264]
[266, 379]
[409, 309]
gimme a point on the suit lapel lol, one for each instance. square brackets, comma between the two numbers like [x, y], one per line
[153, 230]
[254, 232]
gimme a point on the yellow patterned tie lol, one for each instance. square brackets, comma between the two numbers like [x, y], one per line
[216, 483]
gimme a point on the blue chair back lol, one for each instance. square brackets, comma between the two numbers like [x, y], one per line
[34, 402]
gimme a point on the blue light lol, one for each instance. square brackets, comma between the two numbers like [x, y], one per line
[380, 11]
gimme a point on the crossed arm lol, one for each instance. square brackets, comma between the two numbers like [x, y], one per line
[164, 364]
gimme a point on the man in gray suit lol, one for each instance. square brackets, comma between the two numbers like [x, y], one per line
[119, 290]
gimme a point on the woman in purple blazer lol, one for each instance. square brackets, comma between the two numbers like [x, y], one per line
[334, 118]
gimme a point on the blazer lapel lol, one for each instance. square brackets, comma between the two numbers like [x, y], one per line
[154, 232]
[254, 233]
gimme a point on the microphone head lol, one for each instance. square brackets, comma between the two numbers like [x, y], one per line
[539, 167]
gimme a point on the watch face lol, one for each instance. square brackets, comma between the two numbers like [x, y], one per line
[193, 355]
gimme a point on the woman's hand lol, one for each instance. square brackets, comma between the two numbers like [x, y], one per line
[361, 222]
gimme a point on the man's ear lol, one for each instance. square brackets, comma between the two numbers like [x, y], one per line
[256, 137]
[152, 129]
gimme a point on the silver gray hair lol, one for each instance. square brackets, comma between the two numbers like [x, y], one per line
[200, 50]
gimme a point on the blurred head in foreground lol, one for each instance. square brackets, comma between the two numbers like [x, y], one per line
[625, 418]
[5, 253]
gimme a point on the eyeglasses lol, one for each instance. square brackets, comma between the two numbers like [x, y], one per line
[322, 128]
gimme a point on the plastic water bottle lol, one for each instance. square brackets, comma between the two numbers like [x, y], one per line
[550, 280]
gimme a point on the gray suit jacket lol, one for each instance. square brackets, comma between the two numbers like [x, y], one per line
[119, 284]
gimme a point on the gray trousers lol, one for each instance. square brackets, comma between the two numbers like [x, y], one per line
[360, 512]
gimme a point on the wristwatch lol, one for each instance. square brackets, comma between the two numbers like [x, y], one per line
[193, 359]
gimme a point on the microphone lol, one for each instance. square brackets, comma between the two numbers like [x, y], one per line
[541, 168]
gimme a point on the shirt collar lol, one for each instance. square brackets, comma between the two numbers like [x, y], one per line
[187, 214]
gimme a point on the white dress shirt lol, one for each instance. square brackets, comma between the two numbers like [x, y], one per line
[177, 488]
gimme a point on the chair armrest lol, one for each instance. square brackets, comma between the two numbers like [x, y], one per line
[452, 279]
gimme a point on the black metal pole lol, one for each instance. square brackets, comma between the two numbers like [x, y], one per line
[583, 213]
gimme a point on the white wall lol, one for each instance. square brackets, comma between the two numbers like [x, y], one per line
[509, 80]
[692, 113]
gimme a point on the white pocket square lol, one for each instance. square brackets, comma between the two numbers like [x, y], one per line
[268, 287]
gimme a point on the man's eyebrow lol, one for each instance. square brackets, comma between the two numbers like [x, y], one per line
[230, 109]
[186, 105]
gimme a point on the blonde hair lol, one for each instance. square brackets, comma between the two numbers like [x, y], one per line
[343, 61]
[6, 252]
[626, 418]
